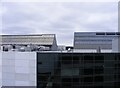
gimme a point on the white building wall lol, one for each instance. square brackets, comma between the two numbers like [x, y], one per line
[19, 69]
[119, 44]
[0, 69]
[116, 45]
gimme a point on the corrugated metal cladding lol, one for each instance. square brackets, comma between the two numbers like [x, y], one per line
[43, 39]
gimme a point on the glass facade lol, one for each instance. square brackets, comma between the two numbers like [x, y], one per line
[78, 70]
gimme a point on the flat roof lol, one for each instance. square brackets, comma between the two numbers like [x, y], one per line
[98, 33]
[72, 52]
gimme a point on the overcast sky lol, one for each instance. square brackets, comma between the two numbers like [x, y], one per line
[60, 18]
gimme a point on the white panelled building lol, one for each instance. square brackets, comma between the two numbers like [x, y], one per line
[18, 69]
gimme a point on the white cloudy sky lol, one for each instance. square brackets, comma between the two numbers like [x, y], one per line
[60, 18]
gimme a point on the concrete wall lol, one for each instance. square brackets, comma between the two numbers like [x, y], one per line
[18, 69]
